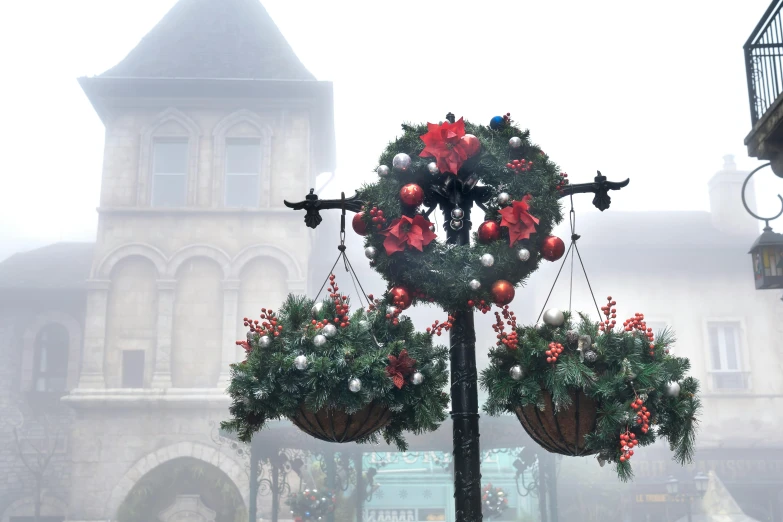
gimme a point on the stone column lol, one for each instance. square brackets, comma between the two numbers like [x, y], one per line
[92, 374]
[161, 376]
[230, 318]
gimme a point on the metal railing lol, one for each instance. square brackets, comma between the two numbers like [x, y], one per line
[764, 61]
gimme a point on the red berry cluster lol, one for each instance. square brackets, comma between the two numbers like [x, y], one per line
[421, 296]
[627, 443]
[394, 317]
[611, 315]
[510, 340]
[340, 304]
[563, 181]
[438, 327]
[482, 305]
[555, 349]
[507, 118]
[637, 323]
[522, 165]
[642, 414]
[377, 217]
[268, 325]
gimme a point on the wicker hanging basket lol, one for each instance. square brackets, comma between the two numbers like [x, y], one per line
[337, 426]
[562, 432]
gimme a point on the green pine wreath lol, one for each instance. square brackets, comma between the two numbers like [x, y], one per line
[637, 389]
[312, 504]
[396, 368]
[507, 164]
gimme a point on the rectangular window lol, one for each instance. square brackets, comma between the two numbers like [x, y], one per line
[243, 172]
[133, 368]
[169, 172]
[726, 356]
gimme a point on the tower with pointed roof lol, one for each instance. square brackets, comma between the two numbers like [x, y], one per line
[211, 122]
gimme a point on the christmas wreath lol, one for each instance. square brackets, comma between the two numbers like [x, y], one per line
[593, 388]
[494, 501]
[338, 376]
[311, 505]
[438, 164]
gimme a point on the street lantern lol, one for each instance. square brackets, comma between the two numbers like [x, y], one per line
[767, 255]
[702, 481]
[672, 486]
[767, 251]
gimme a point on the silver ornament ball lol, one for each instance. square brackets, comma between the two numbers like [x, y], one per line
[250, 335]
[515, 142]
[433, 168]
[370, 252]
[383, 171]
[523, 254]
[319, 340]
[318, 308]
[474, 284]
[417, 378]
[401, 162]
[264, 342]
[487, 260]
[432, 228]
[590, 356]
[554, 317]
[673, 389]
[516, 372]
[391, 310]
[457, 213]
[504, 198]
[355, 385]
[572, 336]
[329, 330]
[300, 362]
[456, 224]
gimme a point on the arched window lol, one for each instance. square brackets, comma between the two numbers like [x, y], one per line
[50, 370]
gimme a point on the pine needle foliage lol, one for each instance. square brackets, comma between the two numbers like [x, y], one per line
[441, 272]
[267, 385]
[623, 371]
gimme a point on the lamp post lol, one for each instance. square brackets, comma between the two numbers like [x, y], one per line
[700, 481]
[767, 251]
[462, 193]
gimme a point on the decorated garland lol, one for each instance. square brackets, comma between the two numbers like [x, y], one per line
[624, 382]
[311, 505]
[312, 359]
[521, 209]
[494, 501]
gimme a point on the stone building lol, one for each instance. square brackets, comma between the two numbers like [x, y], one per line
[211, 122]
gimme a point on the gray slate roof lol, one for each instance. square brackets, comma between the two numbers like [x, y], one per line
[213, 39]
[60, 266]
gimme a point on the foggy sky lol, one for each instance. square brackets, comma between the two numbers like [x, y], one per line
[655, 92]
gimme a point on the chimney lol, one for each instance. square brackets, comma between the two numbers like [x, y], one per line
[726, 209]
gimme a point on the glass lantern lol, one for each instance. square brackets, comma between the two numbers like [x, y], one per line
[767, 255]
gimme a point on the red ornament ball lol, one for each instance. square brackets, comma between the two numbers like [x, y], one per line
[471, 144]
[412, 195]
[488, 231]
[358, 224]
[502, 292]
[552, 248]
[400, 297]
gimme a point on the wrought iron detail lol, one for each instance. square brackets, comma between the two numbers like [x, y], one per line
[745, 203]
[312, 206]
[764, 61]
[600, 187]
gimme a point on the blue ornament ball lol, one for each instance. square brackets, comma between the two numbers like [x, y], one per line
[497, 123]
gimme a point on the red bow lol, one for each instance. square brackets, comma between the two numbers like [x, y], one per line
[414, 232]
[400, 367]
[518, 219]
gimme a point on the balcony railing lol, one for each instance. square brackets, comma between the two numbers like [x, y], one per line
[764, 61]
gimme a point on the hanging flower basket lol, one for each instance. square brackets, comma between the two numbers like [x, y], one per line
[564, 431]
[338, 376]
[590, 388]
[333, 425]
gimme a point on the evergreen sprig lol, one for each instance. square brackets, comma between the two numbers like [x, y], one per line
[268, 386]
[623, 371]
[441, 272]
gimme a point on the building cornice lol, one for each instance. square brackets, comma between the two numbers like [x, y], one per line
[129, 398]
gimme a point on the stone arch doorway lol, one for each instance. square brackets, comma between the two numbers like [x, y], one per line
[183, 490]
